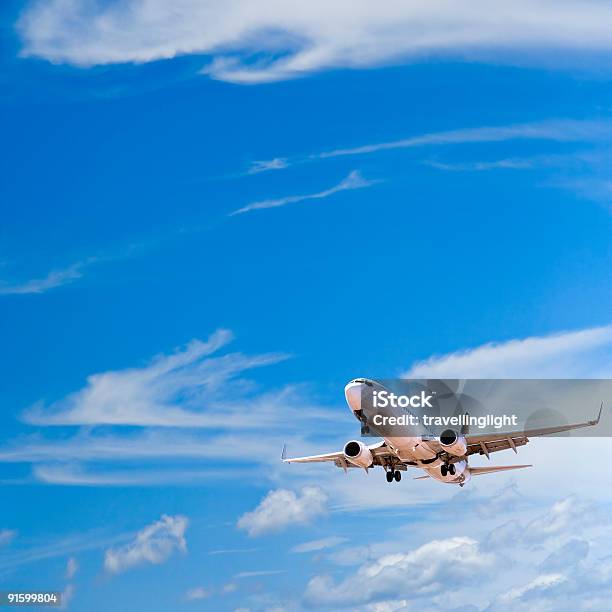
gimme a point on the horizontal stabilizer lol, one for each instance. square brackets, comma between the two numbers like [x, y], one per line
[476, 471]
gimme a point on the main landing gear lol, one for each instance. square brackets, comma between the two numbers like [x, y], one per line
[447, 469]
[391, 475]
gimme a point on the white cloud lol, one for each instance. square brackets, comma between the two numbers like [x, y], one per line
[7, 536]
[53, 548]
[172, 391]
[72, 567]
[67, 596]
[419, 573]
[197, 593]
[297, 38]
[504, 164]
[263, 166]
[316, 545]
[76, 475]
[258, 573]
[283, 508]
[565, 519]
[558, 130]
[153, 544]
[579, 354]
[55, 278]
[540, 584]
[353, 181]
[552, 130]
[566, 557]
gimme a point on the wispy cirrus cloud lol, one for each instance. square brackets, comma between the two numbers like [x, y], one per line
[79, 476]
[155, 543]
[558, 130]
[171, 391]
[549, 130]
[318, 545]
[264, 166]
[353, 181]
[585, 353]
[193, 387]
[478, 166]
[55, 278]
[294, 41]
[7, 536]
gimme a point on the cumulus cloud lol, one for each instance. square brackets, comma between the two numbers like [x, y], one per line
[578, 354]
[282, 508]
[353, 181]
[564, 519]
[293, 39]
[567, 556]
[153, 544]
[418, 573]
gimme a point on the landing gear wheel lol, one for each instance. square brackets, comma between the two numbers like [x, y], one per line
[451, 469]
[397, 475]
[389, 476]
[443, 470]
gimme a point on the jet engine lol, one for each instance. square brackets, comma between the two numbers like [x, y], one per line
[453, 443]
[358, 454]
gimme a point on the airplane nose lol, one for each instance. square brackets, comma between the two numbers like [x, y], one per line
[352, 392]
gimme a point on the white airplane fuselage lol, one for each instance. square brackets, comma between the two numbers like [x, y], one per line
[413, 448]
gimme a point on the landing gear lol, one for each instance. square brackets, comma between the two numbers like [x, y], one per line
[392, 474]
[447, 469]
[365, 428]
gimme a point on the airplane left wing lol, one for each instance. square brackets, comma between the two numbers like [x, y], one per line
[484, 444]
[378, 451]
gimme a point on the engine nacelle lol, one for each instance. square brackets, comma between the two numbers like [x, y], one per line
[358, 454]
[453, 443]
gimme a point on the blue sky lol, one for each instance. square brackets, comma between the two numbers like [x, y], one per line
[213, 218]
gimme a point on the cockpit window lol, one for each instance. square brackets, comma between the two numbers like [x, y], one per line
[364, 381]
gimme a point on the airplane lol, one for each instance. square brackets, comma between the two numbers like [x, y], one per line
[443, 458]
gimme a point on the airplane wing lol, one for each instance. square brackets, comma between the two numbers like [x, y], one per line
[484, 444]
[378, 450]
